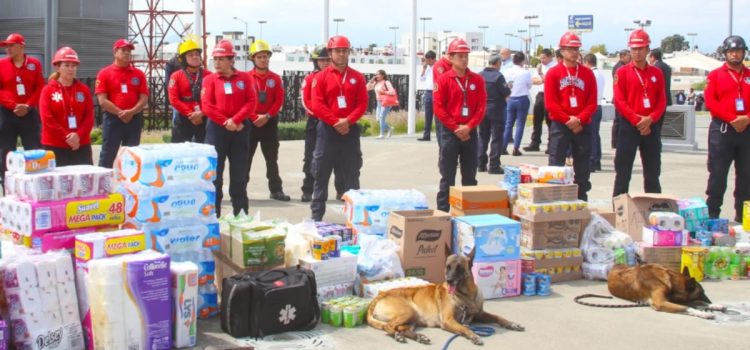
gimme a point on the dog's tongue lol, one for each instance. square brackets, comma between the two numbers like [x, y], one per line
[451, 289]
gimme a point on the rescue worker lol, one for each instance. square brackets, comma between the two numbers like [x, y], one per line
[339, 99]
[321, 61]
[229, 99]
[460, 100]
[570, 97]
[122, 92]
[442, 66]
[188, 120]
[640, 100]
[728, 99]
[265, 121]
[66, 109]
[21, 83]
[493, 125]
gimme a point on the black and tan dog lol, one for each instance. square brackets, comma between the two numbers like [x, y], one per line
[451, 305]
[661, 288]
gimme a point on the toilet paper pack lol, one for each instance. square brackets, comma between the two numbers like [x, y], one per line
[32, 161]
[63, 240]
[184, 303]
[61, 183]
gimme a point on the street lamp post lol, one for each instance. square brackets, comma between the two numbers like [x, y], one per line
[627, 35]
[395, 31]
[246, 40]
[536, 27]
[424, 25]
[484, 42]
[528, 43]
[509, 35]
[692, 40]
[523, 40]
[642, 23]
[261, 27]
[338, 20]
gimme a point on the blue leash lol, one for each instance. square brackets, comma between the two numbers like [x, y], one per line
[482, 331]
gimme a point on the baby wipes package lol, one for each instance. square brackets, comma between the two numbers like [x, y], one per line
[164, 165]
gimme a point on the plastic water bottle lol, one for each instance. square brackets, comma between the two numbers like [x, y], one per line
[630, 254]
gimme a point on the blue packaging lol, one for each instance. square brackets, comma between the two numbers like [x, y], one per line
[496, 237]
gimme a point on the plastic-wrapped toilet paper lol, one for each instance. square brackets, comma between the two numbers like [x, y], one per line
[184, 299]
[32, 161]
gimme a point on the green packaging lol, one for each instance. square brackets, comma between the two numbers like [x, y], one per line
[336, 315]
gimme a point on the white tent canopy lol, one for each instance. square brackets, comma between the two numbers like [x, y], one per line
[693, 60]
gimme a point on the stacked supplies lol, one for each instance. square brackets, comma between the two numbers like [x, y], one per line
[41, 296]
[170, 196]
[366, 211]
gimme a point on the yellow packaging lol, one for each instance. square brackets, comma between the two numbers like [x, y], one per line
[746, 217]
[694, 259]
[95, 212]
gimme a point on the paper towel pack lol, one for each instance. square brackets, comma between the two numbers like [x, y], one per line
[184, 298]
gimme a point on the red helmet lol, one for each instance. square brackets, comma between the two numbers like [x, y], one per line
[13, 38]
[122, 43]
[224, 48]
[65, 54]
[639, 38]
[570, 39]
[339, 42]
[458, 45]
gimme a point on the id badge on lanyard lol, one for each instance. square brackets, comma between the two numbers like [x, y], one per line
[465, 111]
[739, 104]
[124, 88]
[646, 102]
[21, 89]
[341, 102]
[72, 123]
[573, 102]
[228, 88]
[262, 97]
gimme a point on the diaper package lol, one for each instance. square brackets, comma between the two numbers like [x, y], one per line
[495, 237]
[498, 279]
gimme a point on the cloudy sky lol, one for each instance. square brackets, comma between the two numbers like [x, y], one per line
[295, 22]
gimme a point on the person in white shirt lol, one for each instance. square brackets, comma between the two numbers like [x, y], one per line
[506, 60]
[540, 113]
[426, 82]
[596, 120]
[519, 81]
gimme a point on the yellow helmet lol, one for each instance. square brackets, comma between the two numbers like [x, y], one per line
[187, 46]
[260, 46]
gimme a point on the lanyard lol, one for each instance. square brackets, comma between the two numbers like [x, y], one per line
[738, 81]
[19, 70]
[257, 85]
[572, 81]
[342, 83]
[67, 98]
[643, 83]
[463, 87]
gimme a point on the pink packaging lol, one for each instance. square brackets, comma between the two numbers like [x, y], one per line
[30, 218]
[63, 240]
[653, 237]
[498, 279]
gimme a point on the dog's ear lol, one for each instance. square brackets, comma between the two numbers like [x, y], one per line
[471, 256]
[686, 272]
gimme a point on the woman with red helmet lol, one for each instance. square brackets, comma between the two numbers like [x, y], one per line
[66, 109]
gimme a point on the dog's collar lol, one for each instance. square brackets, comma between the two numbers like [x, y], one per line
[463, 315]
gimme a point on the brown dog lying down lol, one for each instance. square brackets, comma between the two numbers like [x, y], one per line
[662, 288]
[450, 305]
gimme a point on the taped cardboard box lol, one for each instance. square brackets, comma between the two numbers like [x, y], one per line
[557, 211]
[487, 197]
[670, 257]
[423, 236]
[468, 212]
[495, 237]
[552, 234]
[545, 193]
[632, 211]
[225, 267]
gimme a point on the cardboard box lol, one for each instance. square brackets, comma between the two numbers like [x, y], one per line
[545, 193]
[552, 234]
[423, 236]
[632, 211]
[468, 212]
[670, 257]
[225, 268]
[557, 211]
[332, 271]
[498, 279]
[255, 245]
[567, 276]
[465, 198]
[495, 237]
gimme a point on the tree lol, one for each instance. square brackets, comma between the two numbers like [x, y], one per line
[600, 48]
[673, 43]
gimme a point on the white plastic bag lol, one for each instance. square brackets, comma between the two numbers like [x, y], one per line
[298, 241]
[378, 260]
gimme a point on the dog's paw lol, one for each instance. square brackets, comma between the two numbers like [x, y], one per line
[399, 337]
[701, 314]
[421, 338]
[717, 307]
[516, 327]
[476, 340]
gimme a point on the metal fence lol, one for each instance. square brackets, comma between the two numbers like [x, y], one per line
[291, 111]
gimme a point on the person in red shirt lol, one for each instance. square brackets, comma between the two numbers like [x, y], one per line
[339, 99]
[188, 120]
[265, 126]
[320, 60]
[640, 100]
[122, 91]
[229, 99]
[460, 101]
[442, 66]
[67, 112]
[21, 82]
[728, 99]
[571, 98]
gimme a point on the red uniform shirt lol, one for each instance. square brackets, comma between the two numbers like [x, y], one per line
[330, 86]
[181, 90]
[449, 96]
[56, 104]
[723, 87]
[30, 75]
[562, 84]
[122, 85]
[442, 66]
[223, 98]
[632, 85]
[270, 84]
[307, 93]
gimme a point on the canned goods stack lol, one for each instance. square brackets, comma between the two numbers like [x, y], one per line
[348, 312]
[537, 284]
